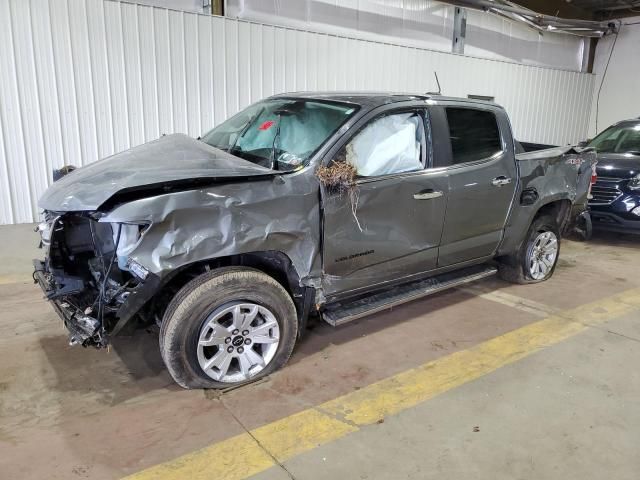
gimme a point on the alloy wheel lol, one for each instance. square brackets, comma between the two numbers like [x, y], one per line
[542, 254]
[237, 341]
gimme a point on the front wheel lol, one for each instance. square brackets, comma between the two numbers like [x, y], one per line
[537, 258]
[227, 327]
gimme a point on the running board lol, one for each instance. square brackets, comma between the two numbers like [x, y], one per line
[342, 312]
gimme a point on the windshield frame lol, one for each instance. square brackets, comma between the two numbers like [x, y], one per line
[309, 160]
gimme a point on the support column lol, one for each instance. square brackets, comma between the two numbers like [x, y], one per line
[459, 30]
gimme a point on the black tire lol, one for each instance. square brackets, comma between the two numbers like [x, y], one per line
[514, 268]
[584, 227]
[190, 307]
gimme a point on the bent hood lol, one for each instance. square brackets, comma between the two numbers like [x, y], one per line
[170, 159]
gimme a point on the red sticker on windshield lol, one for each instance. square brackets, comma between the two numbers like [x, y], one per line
[266, 125]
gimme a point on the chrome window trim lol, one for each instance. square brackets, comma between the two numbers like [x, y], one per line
[480, 161]
[390, 176]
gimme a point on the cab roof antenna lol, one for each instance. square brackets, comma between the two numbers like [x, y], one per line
[439, 92]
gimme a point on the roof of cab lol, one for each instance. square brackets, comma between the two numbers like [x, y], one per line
[374, 99]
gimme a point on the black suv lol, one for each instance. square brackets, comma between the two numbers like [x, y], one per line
[615, 204]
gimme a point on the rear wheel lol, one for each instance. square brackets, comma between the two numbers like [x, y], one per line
[538, 255]
[227, 327]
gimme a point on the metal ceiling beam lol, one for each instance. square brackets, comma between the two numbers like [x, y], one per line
[542, 22]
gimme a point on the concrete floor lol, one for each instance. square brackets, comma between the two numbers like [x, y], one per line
[568, 411]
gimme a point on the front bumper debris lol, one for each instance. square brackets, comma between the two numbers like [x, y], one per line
[83, 329]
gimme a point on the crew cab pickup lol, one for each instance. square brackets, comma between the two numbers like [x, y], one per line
[331, 205]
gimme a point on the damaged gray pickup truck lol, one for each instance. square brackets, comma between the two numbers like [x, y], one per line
[334, 205]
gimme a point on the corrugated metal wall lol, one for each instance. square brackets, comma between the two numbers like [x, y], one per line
[82, 79]
[419, 23]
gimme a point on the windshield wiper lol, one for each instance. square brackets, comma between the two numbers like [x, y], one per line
[245, 129]
[272, 155]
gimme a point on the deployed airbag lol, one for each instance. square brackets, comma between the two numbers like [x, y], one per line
[388, 145]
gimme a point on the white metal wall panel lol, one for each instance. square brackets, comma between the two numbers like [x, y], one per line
[29, 100]
[80, 80]
[420, 23]
[219, 53]
[148, 71]
[619, 96]
[205, 72]
[18, 209]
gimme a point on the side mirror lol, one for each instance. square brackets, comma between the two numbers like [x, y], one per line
[61, 172]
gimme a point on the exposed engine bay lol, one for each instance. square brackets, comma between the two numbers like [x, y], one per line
[86, 273]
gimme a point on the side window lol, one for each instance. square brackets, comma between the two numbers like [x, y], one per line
[474, 134]
[389, 144]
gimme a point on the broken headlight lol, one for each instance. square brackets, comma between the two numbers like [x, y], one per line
[126, 237]
[45, 228]
[634, 183]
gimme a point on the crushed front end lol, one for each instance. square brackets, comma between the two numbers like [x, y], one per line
[87, 276]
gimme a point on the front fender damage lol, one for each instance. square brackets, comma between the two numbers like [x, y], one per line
[175, 231]
[279, 214]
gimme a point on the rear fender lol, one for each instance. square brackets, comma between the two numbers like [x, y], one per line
[551, 181]
[558, 206]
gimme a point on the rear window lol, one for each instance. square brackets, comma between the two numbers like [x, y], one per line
[474, 134]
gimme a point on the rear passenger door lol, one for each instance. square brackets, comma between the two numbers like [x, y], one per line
[482, 181]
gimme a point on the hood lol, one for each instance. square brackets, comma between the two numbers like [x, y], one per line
[619, 165]
[170, 159]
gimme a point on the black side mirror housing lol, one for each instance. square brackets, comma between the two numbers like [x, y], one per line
[61, 172]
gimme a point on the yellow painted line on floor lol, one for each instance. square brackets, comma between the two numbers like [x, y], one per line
[300, 432]
[514, 301]
[250, 453]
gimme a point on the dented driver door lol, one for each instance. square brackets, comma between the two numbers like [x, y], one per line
[387, 225]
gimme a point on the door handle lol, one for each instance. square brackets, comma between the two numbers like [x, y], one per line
[500, 181]
[427, 194]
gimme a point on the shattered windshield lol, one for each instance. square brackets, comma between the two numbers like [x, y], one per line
[623, 138]
[281, 134]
